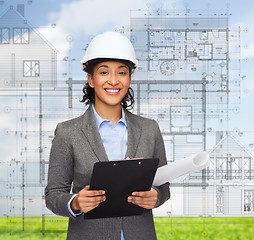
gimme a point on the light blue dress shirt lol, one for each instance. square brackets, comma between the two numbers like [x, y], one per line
[115, 141]
[114, 137]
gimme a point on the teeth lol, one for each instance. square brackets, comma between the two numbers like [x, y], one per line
[112, 90]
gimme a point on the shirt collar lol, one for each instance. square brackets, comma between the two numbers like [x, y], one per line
[99, 120]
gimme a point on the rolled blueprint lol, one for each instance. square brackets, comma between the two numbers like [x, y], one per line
[179, 168]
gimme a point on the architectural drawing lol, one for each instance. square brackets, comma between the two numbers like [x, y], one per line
[183, 81]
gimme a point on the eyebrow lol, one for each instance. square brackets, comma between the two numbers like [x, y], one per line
[106, 66]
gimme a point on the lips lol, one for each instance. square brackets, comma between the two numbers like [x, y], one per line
[112, 90]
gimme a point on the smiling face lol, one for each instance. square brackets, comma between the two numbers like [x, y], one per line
[111, 81]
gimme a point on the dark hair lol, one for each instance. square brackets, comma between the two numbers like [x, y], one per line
[88, 92]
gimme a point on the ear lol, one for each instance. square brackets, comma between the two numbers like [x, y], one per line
[130, 80]
[90, 80]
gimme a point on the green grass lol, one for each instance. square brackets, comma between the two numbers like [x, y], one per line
[193, 228]
[33, 228]
[175, 228]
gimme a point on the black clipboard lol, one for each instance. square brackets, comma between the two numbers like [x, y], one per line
[119, 179]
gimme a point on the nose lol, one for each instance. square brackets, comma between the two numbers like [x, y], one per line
[113, 79]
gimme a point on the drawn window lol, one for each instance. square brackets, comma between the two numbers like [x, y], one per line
[31, 68]
[4, 35]
[181, 118]
[248, 201]
[228, 168]
[21, 35]
[219, 200]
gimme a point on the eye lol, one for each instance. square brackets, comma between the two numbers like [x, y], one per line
[123, 73]
[103, 72]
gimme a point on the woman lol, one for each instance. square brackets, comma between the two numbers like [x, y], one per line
[106, 131]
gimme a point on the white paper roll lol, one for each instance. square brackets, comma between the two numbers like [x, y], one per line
[179, 168]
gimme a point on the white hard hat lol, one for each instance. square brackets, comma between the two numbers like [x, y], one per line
[112, 45]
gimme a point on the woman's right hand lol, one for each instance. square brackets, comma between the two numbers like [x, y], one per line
[86, 200]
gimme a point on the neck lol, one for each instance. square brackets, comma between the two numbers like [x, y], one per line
[112, 113]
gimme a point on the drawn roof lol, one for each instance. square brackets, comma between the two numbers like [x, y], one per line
[229, 145]
[12, 11]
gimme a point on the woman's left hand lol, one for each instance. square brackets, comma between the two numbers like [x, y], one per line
[146, 199]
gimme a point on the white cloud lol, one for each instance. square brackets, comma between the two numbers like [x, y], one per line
[83, 18]
[93, 16]
[57, 37]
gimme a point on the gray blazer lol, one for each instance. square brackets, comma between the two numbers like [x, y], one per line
[76, 147]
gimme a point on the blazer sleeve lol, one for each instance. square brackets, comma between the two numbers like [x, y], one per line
[159, 152]
[60, 174]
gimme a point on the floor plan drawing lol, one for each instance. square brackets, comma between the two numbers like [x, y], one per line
[184, 82]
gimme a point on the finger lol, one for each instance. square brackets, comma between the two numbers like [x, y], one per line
[88, 205]
[146, 194]
[93, 193]
[142, 200]
[84, 201]
[140, 194]
[91, 199]
[141, 203]
[98, 192]
[88, 208]
[150, 193]
[90, 193]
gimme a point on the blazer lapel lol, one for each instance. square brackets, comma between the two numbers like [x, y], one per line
[134, 134]
[92, 134]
